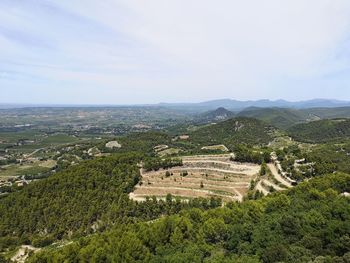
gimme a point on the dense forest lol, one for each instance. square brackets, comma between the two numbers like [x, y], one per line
[79, 201]
[321, 131]
[142, 142]
[279, 117]
[246, 154]
[234, 131]
[68, 202]
[309, 223]
[159, 163]
[285, 118]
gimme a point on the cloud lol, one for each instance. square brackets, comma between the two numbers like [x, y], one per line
[158, 50]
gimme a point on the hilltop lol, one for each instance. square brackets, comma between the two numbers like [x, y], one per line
[233, 131]
[278, 117]
[219, 114]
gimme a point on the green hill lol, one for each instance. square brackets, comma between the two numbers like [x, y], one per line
[79, 201]
[321, 131]
[219, 114]
[68, 202]
[328, 113]
[285, 118]
[278, 117]
[234, 131]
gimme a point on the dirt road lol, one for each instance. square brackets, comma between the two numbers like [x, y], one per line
[278, 177]
[260, 188]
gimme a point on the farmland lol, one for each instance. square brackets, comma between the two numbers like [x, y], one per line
[199, 176]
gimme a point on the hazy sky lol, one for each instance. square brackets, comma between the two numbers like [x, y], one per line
[147, 51]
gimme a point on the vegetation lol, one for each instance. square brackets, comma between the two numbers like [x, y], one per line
[321, 131]
[69, 202]
[246, 154]
[329, 157]
[309, 223]
[285, 118]
[143, 141]
[328, 113]
[232, 132]
[79, 201]
[279, 117]
[83, 201]
[219, 114]
[158, 163]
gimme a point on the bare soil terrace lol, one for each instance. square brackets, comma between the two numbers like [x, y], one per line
[207, 175]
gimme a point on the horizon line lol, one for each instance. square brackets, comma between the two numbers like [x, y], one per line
[162, 103]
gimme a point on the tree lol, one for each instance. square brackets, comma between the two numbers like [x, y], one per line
[263, 168]
[215, 230]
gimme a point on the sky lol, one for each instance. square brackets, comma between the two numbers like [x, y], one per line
[134, 51]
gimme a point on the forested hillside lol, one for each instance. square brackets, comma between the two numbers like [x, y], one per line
[321, 131]
[285, 118]
[278, 117]
[310, 223]
[69, 202]
[234, 131]
[79, 201]
[328, 113]
[219, 114]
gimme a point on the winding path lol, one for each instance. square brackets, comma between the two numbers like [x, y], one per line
[278, 177]
[260, 188]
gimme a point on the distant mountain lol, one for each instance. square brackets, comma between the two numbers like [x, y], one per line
[320, 103]
[220, 114]
[328, 113]
[286, 117]
[13, 106]
[195, 108]
[236, 130]
[236, 105]
[321, 131]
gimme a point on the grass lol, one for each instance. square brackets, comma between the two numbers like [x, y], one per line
[14, 170]
[169, 151]
[13, 137]
[59, 139]
[40, 141]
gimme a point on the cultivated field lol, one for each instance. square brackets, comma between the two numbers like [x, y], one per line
[200, 176]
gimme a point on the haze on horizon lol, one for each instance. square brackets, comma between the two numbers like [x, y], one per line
[131, 52]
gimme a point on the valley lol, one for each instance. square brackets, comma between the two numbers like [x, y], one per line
[211, 171]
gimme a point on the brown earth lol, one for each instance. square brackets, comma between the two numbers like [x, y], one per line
[208, 175]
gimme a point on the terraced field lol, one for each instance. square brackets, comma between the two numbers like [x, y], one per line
[200, 176]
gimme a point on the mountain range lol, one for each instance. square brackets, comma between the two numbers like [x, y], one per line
[230, 104]
[237, 105]
[282, 118]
